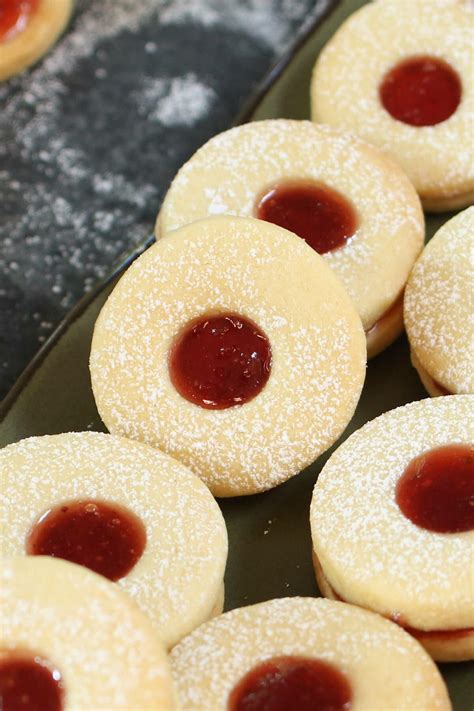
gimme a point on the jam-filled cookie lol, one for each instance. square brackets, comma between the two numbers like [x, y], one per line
[349, 202]
[400, 74]
[28, 28]
[439, 308]
[124, 510]
[232, 346]
[392, 522]
[305, 654]
[70, 639]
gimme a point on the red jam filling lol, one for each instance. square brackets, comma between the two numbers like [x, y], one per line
[436, 490]
[421, 91]
[29, 683]
[317, 213]
[220, 361]
[441, 389]
[14, 16]
[285, 683]
[107, 538]
[387, 316]
[431, 634]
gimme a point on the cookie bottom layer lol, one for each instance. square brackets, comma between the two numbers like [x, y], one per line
[439, 644]
[432, 387]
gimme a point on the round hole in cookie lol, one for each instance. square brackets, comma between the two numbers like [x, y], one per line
[220, 360]
[105, 537]
[288, 682]
[320, 215]
[29, 682]
[436, 490]
[421, 91]
[14, 16]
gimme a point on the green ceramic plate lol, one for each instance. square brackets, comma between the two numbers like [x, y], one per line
[270, 546]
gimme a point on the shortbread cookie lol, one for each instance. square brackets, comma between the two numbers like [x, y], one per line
[439, 308]
[401, 75]
[28, 28]
[392, 522]
[70, 639]
[232, 346]
[309, 653]
[341, 195]
[124, 510]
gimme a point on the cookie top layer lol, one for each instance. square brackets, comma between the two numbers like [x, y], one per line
[107, 653]
[269, 276]
[385, 667]
[232, 172]
[177, 579]
[439, 305]
[345, 88]
[370, 552]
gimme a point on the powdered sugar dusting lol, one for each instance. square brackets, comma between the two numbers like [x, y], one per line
[213, 659]
[439, 305]
[178, 578]
[345, 90]
[318, 352]
[370, 553]
[101, 643]
[232, 171]
[181, 101]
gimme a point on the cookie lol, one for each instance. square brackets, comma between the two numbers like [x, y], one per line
[232, 346]
[347, 200]
[304, 653]
[70, 639]
[392, 522]
[28, 28]
[439, 304]
[124, 510]
[400, 75]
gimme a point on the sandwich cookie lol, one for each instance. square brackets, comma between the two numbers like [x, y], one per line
[70, 640]
[124, 510]
[439, 308]
[392, 522]
[28, 28]
[305, 654]
[232, 346]
[400, 75]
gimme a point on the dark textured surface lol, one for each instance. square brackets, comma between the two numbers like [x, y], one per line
[91, 137]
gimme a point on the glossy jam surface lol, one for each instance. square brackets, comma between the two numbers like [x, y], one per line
[107, 538]
[421, 91]
[436, 490]
[29, 683]
[219, 361]
[290, 684]
[317, 213]
[14, 16]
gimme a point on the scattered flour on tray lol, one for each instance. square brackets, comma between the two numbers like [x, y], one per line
[181, 101]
